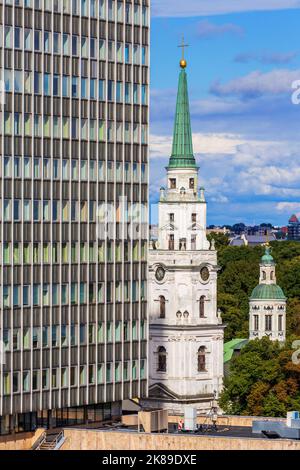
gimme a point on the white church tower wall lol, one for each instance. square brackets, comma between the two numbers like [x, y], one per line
[186, 333]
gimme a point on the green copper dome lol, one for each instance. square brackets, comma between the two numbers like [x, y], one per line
[267, 258]
[182, 151]
[267, 292]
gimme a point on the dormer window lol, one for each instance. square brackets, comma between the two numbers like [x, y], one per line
[172, 183]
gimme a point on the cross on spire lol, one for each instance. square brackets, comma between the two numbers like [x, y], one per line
[183, 46]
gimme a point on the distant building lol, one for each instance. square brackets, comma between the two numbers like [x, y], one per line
[252, 240]
[294, 228]
[218, 230]
[267, 315]
[263, 230]
[280, 233]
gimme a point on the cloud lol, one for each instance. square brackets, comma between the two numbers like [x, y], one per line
[220, 199]
[257, 84]
[253, 181]
[289, 207]
[267, 169]
[266, 58]
[160, 146]
[205, 29]
[178, 8]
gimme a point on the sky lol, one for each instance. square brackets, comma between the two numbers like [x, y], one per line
[243, 61]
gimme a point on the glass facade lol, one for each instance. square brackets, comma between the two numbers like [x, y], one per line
[73, 140]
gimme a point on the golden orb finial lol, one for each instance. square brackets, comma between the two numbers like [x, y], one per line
[183, 63]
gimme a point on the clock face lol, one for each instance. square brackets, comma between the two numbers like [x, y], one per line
[204, 274]
[160, 273]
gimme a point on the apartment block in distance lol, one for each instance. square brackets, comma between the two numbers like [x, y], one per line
[73, 140]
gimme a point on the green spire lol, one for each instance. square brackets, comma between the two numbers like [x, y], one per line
[182, 152]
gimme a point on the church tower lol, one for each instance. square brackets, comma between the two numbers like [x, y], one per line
[267, 303]
[186, 333]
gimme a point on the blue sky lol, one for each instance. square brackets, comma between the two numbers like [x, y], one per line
[243, 58]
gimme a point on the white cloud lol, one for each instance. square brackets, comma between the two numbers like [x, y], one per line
[257, 83]
[206, 29]
[178, 8]
[240, 175]
[220, 199]
[289, 207]
[161, 146]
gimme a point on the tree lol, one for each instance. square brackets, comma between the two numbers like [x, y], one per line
[263, 381]
[293, 316]
[221, 240]
[255, 398]
[232, 316]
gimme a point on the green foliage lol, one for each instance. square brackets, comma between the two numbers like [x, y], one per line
[221, 240]
[293, 316]
[263, 381]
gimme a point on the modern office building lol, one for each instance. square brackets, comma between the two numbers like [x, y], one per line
[73, 138]
[294, 228]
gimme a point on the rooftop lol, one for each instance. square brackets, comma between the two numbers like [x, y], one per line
[267, 292]
[182, 151]
[231, 346]
[294, 219]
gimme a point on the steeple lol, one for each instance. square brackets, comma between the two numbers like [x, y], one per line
[267, 267]
[267, 258]
[182, 151]
[267, 306]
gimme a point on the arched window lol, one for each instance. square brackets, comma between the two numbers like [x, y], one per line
[272, 275]
[264, 276]
[202, 306]
[182, 244]
[162, 307]
[162, 359]
[201, 359]
[171, 242]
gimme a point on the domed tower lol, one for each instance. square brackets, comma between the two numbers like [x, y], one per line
[267, 303]
[186, 332]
